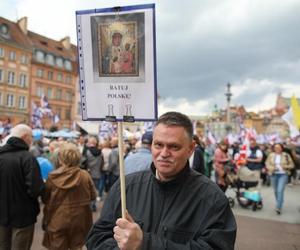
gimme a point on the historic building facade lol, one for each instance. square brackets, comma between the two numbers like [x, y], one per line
[33, 66]
[15, 73]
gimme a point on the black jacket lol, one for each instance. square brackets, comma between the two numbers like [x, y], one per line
[198, 162]
[188, 212]
[20, 185]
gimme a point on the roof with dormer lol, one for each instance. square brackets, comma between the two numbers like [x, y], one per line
[11, 33]
[52, 46]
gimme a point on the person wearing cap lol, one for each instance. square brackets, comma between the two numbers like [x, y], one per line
[170, 206]
[141, 160]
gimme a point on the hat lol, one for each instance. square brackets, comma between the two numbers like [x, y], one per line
[147, 137]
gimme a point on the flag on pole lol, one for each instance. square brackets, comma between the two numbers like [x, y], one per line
[36, 116]
[56, 119]
[148, 126]
[211, 138]
[296, 111]
[289, 118]
[45, 106]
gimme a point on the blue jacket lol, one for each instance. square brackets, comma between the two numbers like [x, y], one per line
[141, 160]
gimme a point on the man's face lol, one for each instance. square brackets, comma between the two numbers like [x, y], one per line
[252, 143]
[171, 148]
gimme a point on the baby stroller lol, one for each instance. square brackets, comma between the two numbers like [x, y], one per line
[243, 180]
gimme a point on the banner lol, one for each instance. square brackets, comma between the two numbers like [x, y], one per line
[117, 63]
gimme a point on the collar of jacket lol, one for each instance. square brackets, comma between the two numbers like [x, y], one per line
[177, 181]
[94, 151]
[14, 144]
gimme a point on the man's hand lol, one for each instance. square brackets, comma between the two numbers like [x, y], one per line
[128, 234]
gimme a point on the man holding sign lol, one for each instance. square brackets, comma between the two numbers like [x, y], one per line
[169, 206]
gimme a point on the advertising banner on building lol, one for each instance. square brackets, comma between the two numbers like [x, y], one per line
[117, 63]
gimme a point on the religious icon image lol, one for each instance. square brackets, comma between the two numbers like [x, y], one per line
[118, 49]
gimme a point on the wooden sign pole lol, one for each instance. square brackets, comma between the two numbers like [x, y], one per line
[122, 172]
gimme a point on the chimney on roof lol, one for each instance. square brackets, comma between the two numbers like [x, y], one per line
[22, 23]
[66, 42]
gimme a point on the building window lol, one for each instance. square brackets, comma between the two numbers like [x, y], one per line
[23, 80]
[59, 77]
[40, 73]
[11, 77]
[68, 96]
[22, 102]
[68, 114]
[39, 55]
[24, 59]
[4, 29]
[58, 94]
[39, 91]
[1, 75]
[68, 65]
[10, 100]
[12, 56]
[50, 75]
[59, 62]
[50, 59]
[49, 93]
[68, 79]
[1, 52]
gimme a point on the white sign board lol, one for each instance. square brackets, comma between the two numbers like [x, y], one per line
[117, 63]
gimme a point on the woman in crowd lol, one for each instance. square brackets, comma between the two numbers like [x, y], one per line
[279, 165]
[69, 191]
[221, 158]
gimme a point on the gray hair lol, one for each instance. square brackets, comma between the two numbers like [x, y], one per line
[177, 119]
[20, 130]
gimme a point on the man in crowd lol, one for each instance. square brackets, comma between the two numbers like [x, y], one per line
[254, 159]
[113, 162]
[171, 206]
[197, 158]
[141, 160]
[94, 163]
[20, 185]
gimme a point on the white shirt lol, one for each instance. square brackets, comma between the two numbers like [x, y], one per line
[278, 168]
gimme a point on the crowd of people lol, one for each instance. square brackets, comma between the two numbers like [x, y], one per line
[165, 168]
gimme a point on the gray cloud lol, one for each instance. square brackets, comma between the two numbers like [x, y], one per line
[197, 65]
[201, 45]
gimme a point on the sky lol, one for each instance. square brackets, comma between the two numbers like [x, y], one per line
[201, 45]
